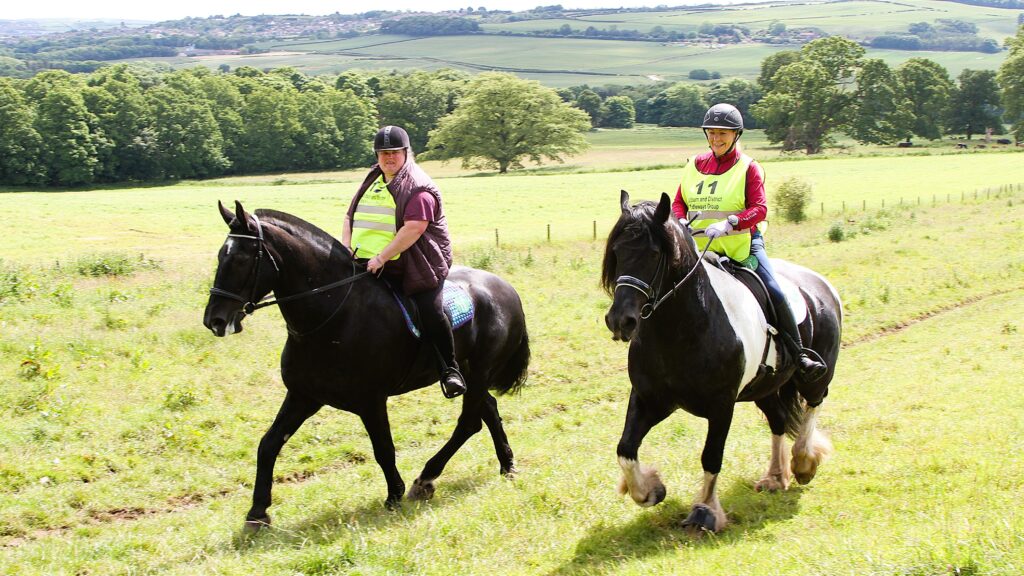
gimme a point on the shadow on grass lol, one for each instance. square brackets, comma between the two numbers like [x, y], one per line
[660, 530]
[327, 525]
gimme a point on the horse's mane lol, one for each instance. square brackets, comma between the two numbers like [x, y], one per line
[639, 220]
[314, 236]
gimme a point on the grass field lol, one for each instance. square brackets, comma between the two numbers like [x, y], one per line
[130, 432]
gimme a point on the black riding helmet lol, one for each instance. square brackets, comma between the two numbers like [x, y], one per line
[723, 116]
[391, 138]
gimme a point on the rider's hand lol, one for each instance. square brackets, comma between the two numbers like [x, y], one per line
[375, 264]
[718, 229]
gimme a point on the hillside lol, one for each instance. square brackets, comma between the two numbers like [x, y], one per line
[549, 44]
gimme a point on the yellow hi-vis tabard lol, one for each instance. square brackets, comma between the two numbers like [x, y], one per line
[373, 224]
[716, 198]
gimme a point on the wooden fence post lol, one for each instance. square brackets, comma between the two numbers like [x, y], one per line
[496, 243]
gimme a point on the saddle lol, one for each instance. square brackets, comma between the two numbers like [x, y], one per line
[755, 285]
[457, 304]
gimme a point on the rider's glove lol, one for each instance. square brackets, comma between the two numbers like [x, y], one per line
[718, 229]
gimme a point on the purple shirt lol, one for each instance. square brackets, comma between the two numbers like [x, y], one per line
[421, 208]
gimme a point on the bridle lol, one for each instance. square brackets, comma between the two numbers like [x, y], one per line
[651, 290]
[250, 304]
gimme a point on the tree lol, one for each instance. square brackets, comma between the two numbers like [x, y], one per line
[975, 104]
[926, 85]
[811, 97]
[618, 112]
[741, 94]
[1011, 80]
[503, 120]
[590, 102]
[681, 104]
[772, 64]
[70, 148]
[187, 137]
[416, 101]
[20, 144]
[271, 128]
[882, 114]
[116, 98]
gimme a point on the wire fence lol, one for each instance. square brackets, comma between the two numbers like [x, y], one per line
[823, 209]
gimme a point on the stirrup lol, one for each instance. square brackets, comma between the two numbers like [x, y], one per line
[811, 366]
[453, 384]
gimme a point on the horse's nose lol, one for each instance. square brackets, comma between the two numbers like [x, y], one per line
[217, 326]
[621, 325]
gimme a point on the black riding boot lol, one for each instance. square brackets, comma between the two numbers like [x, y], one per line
[809, 368]
[437, 331]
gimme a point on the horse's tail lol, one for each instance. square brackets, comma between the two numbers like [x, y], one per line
[512, 374]
[793, 407]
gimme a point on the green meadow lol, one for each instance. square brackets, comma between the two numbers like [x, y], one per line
[562, 62]
[130, 431]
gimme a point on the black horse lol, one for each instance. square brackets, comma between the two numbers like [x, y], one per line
[700, 347]
[349, 347]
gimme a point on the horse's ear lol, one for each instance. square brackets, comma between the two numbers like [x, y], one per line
[624, 200]
[663, 210]
[241, 216]
[225, 213]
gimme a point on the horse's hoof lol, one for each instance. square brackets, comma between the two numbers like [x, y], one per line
[255, 525]
[393, 503]
[510, 472]
[421, 490]
[700, 520]
[656, 496]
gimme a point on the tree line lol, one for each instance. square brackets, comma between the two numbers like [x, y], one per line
[126, 123]
[803, 97]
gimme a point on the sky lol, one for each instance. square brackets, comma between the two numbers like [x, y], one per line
[174, 9]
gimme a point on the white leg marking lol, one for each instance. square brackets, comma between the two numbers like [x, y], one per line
[642, 483]
[811, 448]
[709, 497]
[777, 476]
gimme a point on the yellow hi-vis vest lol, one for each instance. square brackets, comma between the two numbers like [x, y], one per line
[716, 198]
[373, 224]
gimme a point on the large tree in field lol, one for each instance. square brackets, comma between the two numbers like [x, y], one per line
[882, 113]
[927, 87]
[813, 96]
[1011, 80]
[503, 120]
[975, 104]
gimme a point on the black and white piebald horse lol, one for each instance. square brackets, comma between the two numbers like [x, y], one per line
[348, 345]
[698, 340]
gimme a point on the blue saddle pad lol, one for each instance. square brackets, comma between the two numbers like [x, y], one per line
[457, 305]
